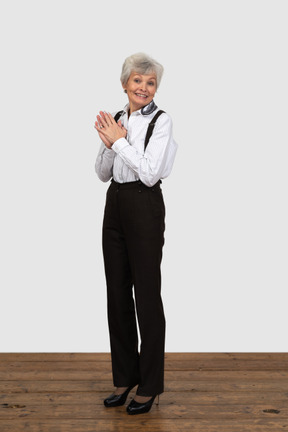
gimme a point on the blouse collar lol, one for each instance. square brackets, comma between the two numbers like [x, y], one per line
[146, 110]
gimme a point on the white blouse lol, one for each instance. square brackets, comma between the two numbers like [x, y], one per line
[126, 161]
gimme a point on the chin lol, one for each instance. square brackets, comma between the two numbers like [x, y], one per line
[143, 102]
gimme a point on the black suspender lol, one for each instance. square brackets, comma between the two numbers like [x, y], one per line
[150, 126]
[118, 115]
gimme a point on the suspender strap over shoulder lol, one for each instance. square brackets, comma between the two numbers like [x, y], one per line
[150, 126]
[118, 115]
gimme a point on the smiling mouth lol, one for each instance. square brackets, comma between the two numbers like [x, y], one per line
[141, 95]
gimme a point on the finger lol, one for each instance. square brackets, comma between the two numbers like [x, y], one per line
[103, 118]
[101, 122]
[98, 127]
[106, 119]
[110, 118]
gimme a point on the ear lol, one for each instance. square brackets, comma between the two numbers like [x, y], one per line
[124, 87]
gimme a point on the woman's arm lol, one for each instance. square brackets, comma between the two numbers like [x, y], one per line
[157, 161]
[105, 158]
[104, 163]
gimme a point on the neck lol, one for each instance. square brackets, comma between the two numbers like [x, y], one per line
[132, 108]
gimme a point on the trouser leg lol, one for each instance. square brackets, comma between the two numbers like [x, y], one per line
[151, 321]
[144, 233]
[120, 303]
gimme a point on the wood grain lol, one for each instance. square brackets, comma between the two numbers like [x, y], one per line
[211, 392]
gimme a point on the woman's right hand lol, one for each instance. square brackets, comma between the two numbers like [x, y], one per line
[109, 131]
[101, 136]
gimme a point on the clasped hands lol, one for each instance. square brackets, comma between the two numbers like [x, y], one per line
[109, 131]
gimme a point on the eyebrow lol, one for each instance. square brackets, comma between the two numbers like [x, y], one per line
[149, 79]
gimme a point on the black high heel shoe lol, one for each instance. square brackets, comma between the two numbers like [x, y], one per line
[117, 400]
[140, 408]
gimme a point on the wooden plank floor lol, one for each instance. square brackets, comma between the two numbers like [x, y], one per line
[204, 392]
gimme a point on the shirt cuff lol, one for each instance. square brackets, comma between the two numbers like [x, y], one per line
[108, 152]
[119, 145]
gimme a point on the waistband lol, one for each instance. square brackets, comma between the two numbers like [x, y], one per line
[135, 184]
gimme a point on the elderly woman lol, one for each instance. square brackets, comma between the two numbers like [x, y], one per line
[136, 157]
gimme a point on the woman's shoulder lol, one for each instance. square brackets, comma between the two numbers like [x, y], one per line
[164, 117]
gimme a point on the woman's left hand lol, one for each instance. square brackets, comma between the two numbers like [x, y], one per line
[109, 129]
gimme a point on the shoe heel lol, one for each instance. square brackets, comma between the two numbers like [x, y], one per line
[157, 400]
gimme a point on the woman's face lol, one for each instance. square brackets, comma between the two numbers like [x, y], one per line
[140, 90]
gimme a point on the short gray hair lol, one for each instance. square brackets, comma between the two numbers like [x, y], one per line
[142, 64]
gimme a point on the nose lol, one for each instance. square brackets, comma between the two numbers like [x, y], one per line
[143, 87]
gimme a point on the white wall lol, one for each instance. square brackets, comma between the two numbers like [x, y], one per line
[225, 86]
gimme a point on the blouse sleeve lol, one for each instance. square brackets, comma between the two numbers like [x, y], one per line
[104, 163]
[157, 161]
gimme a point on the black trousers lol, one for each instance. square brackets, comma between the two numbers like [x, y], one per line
[133, 238]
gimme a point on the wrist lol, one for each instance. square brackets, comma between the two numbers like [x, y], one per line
[120, 144]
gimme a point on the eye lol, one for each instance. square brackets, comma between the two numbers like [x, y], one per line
[151, 83]
[137, 80]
